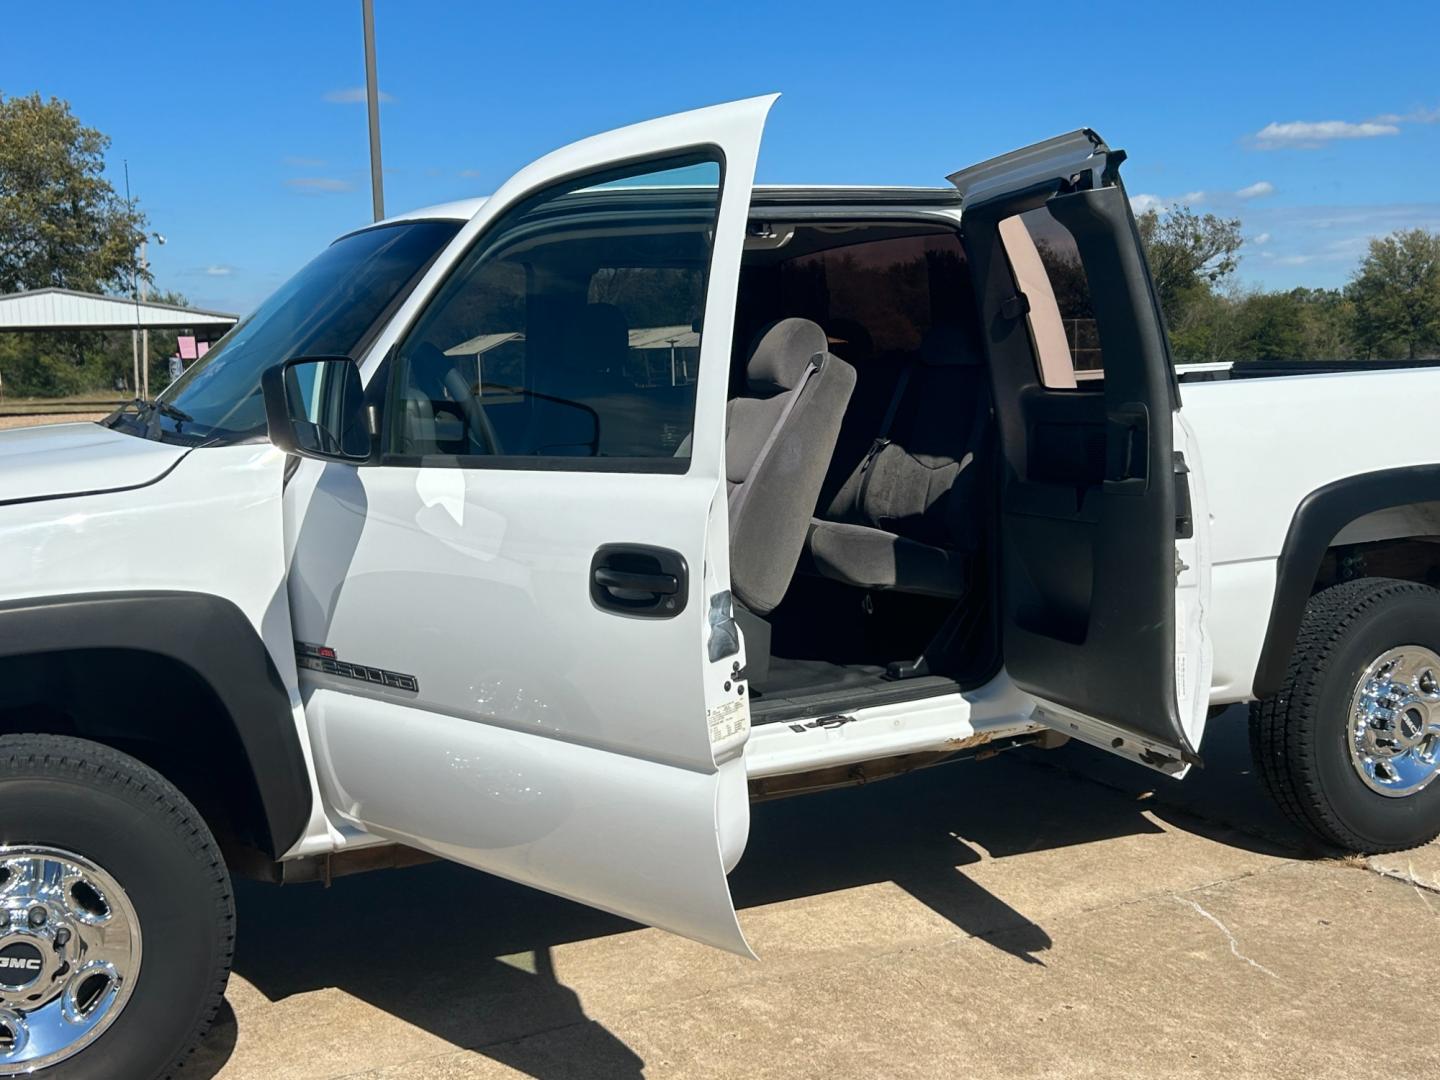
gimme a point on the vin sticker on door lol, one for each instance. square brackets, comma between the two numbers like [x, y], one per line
[727, 719]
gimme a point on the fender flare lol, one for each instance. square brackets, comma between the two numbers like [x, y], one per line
[212, 637]
[1317, 521]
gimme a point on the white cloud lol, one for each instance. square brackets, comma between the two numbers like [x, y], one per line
[1414, 116]
[314, 185]
[1320, 246]
[1257, 190]
[470, 174]
[219, 270]
[351, 95]
[1308, 134]
[1144, 202]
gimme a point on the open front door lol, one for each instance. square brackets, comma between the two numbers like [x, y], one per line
[1103, 531]
[514, 625]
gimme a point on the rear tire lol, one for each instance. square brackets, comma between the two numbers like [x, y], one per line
[77, 803]
[1303, 739]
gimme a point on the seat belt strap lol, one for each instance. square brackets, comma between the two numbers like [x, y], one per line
[979, 421]
[883, 439]
[894, 407]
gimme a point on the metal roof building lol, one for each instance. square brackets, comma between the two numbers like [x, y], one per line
[66, 309]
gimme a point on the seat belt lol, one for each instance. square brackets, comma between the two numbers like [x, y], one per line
[978, 422]
[883, 439]
[974, 443]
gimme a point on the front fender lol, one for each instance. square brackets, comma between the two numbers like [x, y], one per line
[213, 638]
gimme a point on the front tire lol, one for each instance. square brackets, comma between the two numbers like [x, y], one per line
[1350, 746]
[117, 922]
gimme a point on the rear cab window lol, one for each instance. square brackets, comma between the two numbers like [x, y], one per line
[1045, 261]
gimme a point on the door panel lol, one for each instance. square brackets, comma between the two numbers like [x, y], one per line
[561, 729]
[1093, 625]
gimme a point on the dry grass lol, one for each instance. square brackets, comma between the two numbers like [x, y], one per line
[36, 419]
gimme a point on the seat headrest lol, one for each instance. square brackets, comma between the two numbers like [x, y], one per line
[850, 341]
[781, 353]
[950, 345]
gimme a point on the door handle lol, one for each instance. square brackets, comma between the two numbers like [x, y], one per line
[631, 581]
[639, 580]
[1127, 449]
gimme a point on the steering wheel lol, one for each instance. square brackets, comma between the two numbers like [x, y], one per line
[475, 418]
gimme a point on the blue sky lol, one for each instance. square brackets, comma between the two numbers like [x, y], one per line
[1318, 125]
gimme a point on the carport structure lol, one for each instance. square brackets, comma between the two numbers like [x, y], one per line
[65, 309]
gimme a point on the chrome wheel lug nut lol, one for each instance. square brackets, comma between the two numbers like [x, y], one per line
[38, 915]
[62, 937]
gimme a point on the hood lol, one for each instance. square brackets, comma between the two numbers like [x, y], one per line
[56, 460]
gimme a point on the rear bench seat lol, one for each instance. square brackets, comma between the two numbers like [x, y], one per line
[908, 517]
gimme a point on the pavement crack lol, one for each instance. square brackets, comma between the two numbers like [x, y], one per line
[1234, 945]
[1421, 894]
[1411, 878]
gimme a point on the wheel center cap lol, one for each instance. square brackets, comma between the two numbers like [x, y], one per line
[21, 964]
[1412, 727]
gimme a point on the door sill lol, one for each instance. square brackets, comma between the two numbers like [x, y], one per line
[778, 706]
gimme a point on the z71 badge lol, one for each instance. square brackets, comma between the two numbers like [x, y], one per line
[322, 658]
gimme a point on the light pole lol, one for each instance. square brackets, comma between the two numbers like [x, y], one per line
[143, 362]
[372, 103]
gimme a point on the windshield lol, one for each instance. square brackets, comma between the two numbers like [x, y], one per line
[327, 309]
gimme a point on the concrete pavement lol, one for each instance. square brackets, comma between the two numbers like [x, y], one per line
[1037, 915]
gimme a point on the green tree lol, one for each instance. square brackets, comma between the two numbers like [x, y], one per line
[61, 223]
[1396, 295]
[1190, 254]
[1328, 323]
[1203, 327]
[1272, 327]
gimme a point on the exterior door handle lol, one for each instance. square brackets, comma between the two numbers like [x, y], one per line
[631, 581]
[639, 580]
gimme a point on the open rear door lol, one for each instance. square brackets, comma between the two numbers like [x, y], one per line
[1103, 532]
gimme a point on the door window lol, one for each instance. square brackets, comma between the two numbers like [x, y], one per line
[1049, 273]
[570, 333]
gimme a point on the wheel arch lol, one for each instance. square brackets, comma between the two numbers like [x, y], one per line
[187, 649]
[1318, 521]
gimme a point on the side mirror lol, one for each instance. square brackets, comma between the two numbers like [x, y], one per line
[315, 407]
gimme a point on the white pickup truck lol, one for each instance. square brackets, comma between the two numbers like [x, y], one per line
[544, 532]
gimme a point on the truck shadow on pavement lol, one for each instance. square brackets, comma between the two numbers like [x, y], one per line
[467, 957]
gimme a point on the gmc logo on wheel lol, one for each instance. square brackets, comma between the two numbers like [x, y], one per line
[24, 963]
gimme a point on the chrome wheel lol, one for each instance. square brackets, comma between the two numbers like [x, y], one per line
[1395, 722]
[69, 955]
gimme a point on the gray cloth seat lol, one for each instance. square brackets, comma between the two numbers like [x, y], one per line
[876, 559]
[908, 517]
[780, 434]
